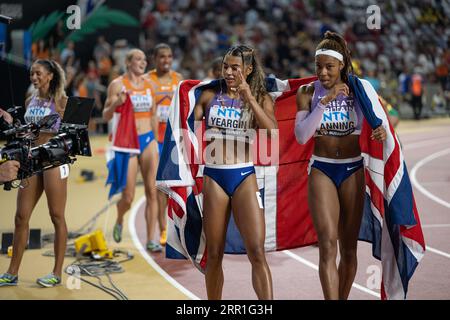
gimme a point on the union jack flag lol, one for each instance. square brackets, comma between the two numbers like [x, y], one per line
[390, 201]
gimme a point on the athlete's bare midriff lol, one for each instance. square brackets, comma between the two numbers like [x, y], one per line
[143, 125]
[227, 151]
[337, 147]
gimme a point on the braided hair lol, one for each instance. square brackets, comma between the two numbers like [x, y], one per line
[256, 79]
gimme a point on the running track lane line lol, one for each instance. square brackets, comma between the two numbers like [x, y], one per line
[418, 186]
[176, 284]
[315, 267]
[416, 183]
[146, 255]
[445, 254]
[151, 262]
[427, 193]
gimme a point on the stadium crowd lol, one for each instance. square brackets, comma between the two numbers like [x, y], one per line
[407, 59]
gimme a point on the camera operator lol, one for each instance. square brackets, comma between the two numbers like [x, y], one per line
[5, 115]
[49, 98]
[8, 169]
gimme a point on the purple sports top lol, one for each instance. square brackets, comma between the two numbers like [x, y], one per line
[341, 117]
[39, 108]
[226, 117]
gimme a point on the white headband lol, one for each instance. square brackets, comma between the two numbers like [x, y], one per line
[331, 53]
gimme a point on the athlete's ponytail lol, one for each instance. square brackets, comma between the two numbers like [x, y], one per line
[256, 79]
[58, 82]
[333, 41]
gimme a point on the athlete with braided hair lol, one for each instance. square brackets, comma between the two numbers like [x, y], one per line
[328, 111]
[240, 104]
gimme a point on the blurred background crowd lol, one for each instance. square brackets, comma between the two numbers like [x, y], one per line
[407, 59]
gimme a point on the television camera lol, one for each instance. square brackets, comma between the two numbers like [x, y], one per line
[71, 140]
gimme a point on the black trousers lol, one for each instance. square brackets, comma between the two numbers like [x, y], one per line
[416, 102]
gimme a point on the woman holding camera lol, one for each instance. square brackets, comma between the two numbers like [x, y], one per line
[49, 98]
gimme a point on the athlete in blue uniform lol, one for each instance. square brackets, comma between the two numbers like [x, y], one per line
[328, 111]
[232, 112]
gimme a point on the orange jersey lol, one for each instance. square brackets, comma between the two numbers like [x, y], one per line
[163, 95]
[142, 99]
[416, 86]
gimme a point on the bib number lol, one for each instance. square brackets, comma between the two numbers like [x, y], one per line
[163, 113]
[258, 197]
[64, 171]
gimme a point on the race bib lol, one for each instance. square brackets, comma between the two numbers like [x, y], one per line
[339, 119]
[227, 118]
[258, 197]
[34, 114]
[64, 171]
[141, 103]
[163, 112]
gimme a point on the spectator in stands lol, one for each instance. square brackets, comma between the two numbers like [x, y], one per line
[215, 69]
[68, 54]
[101, 49]
[40, 50]
[119, 54]
[442, 72]
[417, 93]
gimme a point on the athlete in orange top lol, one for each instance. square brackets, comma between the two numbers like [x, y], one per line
[165, 82]
[143, 100]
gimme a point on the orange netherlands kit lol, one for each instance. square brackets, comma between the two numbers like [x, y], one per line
[142, 99]
[163, 95]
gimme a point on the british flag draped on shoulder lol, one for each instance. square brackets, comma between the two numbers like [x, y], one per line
[180, 175]
[285, 183]
[390, 221]
[125, 142]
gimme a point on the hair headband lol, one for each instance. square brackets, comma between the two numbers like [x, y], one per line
[331, 53]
